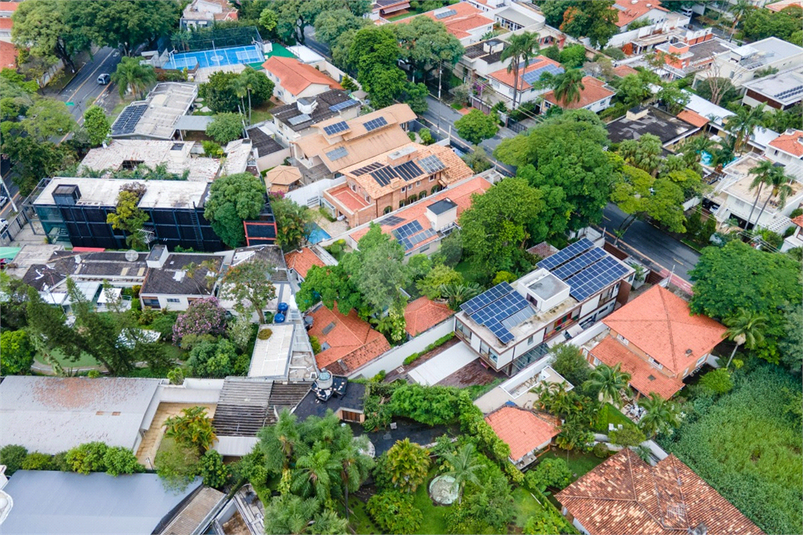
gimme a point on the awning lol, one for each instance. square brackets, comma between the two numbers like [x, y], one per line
[8, 253]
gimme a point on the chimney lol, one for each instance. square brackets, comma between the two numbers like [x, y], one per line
[637, 113]
[701, 529]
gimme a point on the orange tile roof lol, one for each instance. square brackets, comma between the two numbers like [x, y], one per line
[9, 6]
[5, 23]
[783, 4]
[595, 90]
[423, 314]
[347, 198]
[692, 117]
[660, 323]
[302, 260]
[8, 55]
[460, 194]
[536, 63]
[467, 17]
[798, 221]
[633, 9]
[623, 70]
[522, 430]
[352, 341]
[643, 377]
[626, 495]
[791, 143]
[295, 76]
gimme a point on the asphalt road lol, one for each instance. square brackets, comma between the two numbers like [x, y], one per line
[652, 243]
[84, 90]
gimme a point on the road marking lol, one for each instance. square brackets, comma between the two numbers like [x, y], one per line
[679, 261]
[674, 276]
[81, 118]
[92, 74]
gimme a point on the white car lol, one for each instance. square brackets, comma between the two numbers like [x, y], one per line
[3, 225]
[3, 201]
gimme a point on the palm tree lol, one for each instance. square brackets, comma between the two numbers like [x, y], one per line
[521, 49]
[745, 328]
[354, 467]
[696, 146]
[568, 86]
[407, 464]
[131, 74]
[464, 468]
[457, 293]
[286, 432]
[738, 10]
[742, 124]
[763, 172]
[661, 415]
[315, 474]
[608, 382]
[779, 182]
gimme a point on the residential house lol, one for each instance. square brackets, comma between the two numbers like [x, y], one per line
[294, 80]
[347, 342]
[513, 325]
[157, 116]
[595, 96]
[527, 90]
[61, 503]
[527, 433]
[204, 13]
[744, 63]
[780, 5]
[467, 23]
[779, 91]
[7, 9]
[638, 12]
[279, 276]
[658, 341]
[392, 180]
[517, 16]
[386, 8]
[338, 144]
[684, 52]
[8, 54]
[294, 121]
[733, 197]
[299, 263]
[422, 225]
[179, 158]
[54, 414]
[643, 120]
[626, 495]
[333, 393]
[643, 26]
[796, 239]
[787, 149]
[75, 210]
[174, 280]
[267, 152]
[422, 314]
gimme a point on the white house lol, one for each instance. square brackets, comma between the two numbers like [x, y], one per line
[294, 79]
[787, 149]
[203, 13]
[742, 64]
[503, 81]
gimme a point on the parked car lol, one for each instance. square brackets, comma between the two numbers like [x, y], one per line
[104, 79]
[3, 201]
[3, 225]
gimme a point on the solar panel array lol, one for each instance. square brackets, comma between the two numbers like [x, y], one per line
[535, 75]
[126, 123]
[340, 126]
[384, 175]
[405, 231]
[338, 153]
[431, 164]
[409, 170]
[444, 14]
[298, 119]
[342, 105]
[391, 221]
[373, 124]
[367, 169]
[584, 260]
[595, 277]
[494, 315]
[566, 254]
[415, 239]
[486, 298]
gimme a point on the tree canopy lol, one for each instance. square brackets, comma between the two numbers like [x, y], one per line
[233, 199]
[476, 127]
[225, 127]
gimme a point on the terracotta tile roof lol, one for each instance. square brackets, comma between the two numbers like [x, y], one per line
[623, 70]
[783, 4]
[521, 429]
[347, 198]
[595, 90]
[536, 63]
[798, 221]
[626, 495]
[302, 260]
[359, 143]
[643, 377]
[790, 142]
[8, 56]
[5, 23]
[9, 6]
[352, 342]
[423, 314]
[466, 17]
[660, 323]
[630, 10]
[295, 76]
[460, 194]
[692, 117]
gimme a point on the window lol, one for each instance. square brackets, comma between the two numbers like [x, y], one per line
[685, 372]
[494, 357]
[151, 302]
[596, 361]
[418, 184]
[656, 363]
[485, 349]
[530, 340]
[404, 188]
[622, 339]
[173, 300]
[462, 329]
[432, 178]
[701, 360]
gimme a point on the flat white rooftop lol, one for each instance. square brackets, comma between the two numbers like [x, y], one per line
[271, 357]
[103, 192]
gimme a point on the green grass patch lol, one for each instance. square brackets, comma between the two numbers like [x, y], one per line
[609, 414]
[84, 360]
[526, 506]
[580, 463]
[360, 522]
[262, 113]
[457, 106]
[434, 516]
[468, 270]
[477, 391]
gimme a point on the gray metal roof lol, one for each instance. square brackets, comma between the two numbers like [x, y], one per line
[197, 123]
[54, 414]
[55, 503]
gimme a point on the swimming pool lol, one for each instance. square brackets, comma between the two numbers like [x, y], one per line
[706, 159]
[316, 234]
[215, 58]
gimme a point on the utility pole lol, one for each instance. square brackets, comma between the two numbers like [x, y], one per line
[8, 193]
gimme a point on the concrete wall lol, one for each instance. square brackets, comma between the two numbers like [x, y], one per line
[272, 160]
[313, 192]
[395, 357]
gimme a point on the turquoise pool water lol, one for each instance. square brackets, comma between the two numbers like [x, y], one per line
[706, 159]
[316, 234]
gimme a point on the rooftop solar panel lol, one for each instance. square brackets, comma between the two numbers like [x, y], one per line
[391, 221]
[373, 124]
[566, 254]
[405, 231]
[367, 169]
[127, 121]
[486, 298]
[384, 175]
[298, 119]
[445, 14]
[409, 170]
[336, 128]
[431, 164]
[584, 260]
[338, 153]
[595, 278]
[535, 75]
[343, 105]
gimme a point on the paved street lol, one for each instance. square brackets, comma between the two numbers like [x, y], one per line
[83, 90]
[652, 243]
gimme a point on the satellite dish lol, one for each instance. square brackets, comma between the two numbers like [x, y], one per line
[131, 255]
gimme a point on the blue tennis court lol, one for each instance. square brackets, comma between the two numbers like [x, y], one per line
[215, 58]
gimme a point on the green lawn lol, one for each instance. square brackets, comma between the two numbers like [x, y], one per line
[261, 113]
[434, 516]
[526, 506]
[83, 361]
[360, 521]
[579, 462]
[609, 414]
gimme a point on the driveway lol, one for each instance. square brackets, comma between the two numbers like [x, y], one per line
[442, 366]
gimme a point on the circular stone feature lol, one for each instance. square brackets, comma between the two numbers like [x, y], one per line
[444, 490]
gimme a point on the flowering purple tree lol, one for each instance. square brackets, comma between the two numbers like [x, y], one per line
[204, 316]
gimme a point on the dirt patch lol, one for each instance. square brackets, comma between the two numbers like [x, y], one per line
[236, 525]
[474, 373]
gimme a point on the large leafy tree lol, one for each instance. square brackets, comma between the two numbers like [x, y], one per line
[249, 285]
[496, 228]
[566, 152]
[225, 127]
[132, 75]
[48, 330]
[48, 29]
[16, 352]
[639, 195]
[294, 16]
[407, 464]
[220, 92]
[595, 19]
[96, 125]
[427, 46]
[291, 223]
[786, 24]
[774, 283]
[233, 199]
[644, 153]
[476, 127]
[13, 313]
[127, 24]
[333, 286]
[333, 23]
